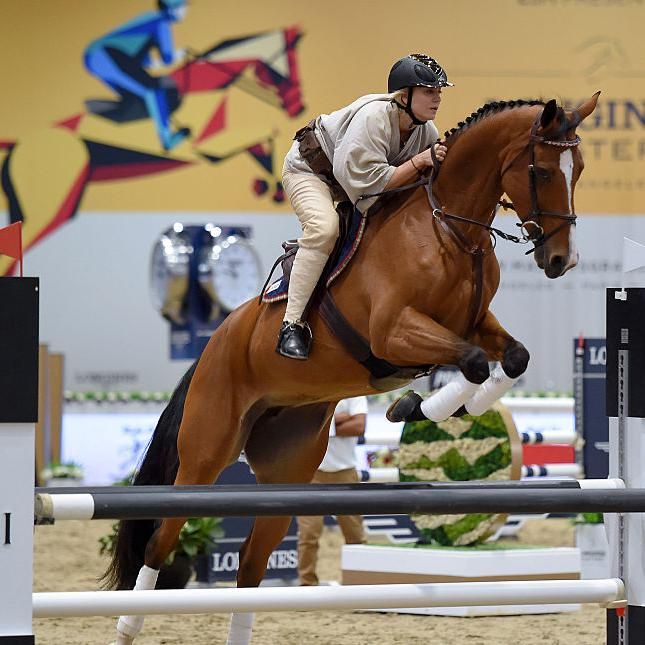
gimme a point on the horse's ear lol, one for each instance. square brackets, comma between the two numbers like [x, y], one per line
[588, 106]
[549, 113]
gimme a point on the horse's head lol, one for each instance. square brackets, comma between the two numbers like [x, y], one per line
[540, 178]
[264, 65]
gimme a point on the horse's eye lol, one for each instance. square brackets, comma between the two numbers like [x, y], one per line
[542, 173]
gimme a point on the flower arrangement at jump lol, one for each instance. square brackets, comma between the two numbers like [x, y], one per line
[460, 449]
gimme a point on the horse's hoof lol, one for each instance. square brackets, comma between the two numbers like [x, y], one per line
[406, 408]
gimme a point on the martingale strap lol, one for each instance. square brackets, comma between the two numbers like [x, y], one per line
[359, 348]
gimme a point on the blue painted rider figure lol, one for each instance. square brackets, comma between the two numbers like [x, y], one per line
[120, 59]
[378, 142]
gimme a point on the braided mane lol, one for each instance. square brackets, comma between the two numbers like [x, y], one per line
[494, 107]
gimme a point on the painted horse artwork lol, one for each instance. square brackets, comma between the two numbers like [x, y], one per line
[45, 173]
[416, 294]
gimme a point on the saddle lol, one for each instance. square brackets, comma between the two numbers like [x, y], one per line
[351, 228]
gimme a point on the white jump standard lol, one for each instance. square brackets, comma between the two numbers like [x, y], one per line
[18, 414]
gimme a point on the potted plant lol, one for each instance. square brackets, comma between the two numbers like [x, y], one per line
[62, 474]
[195, 538]
[591, 539]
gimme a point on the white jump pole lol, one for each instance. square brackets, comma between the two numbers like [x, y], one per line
[452, 594]
[18, 414]
[392, 439]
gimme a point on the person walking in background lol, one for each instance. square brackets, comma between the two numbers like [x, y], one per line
[338, 467]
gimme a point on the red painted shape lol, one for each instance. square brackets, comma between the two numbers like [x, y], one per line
[202, 76]
[71, 123]
[620, 612]
[216, 123]
[552, 453]
[258, 150]
[127, 171]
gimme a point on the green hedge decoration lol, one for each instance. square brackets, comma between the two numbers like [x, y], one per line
[458, 449]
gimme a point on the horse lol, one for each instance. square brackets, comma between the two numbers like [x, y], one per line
[45, 173]
[418, 291]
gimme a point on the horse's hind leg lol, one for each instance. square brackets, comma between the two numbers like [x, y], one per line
[205, 448]
[287, 449]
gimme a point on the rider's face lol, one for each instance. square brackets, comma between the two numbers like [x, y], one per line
[425, 102]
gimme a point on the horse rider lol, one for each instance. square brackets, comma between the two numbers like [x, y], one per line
[120, 58]
[378, 142]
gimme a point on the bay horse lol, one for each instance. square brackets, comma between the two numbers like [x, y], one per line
[45, 172]
[409, 291]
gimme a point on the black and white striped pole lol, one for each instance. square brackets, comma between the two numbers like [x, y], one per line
[626, 411]
[18, 414]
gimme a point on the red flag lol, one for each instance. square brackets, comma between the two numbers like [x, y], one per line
[11, 242]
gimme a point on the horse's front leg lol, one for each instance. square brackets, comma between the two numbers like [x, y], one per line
[415, 338]
[513, 357]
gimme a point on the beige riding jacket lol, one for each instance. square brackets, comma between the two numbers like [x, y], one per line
[363, 143]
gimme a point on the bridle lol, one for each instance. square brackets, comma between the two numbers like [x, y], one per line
[531, 229]
[538, 238]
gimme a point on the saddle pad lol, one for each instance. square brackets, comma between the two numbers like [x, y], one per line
[277, 291]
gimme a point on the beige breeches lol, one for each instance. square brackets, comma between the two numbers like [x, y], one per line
[311, 200]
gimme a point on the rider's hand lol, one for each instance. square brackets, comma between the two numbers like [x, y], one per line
[440, 151]
[424, 158]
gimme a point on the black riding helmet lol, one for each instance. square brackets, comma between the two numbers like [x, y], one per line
[416, 70]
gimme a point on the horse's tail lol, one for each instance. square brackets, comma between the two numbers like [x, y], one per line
[159, 466]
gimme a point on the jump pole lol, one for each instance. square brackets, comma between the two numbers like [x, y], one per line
[451, 594]
[18, 415]
[300, 501]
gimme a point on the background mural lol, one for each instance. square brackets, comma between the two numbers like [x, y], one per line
[75, 137]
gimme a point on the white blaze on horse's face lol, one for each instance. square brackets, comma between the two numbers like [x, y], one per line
[566, 168]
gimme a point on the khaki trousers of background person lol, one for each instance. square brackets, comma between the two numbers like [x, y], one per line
[310, 528]
[312, 202]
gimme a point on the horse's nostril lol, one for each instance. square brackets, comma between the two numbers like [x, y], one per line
[557, 262]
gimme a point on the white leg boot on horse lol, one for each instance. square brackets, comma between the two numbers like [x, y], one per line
[128, 627]
[490, 391]
[448, 399]
[240, 628]
[438, 407]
